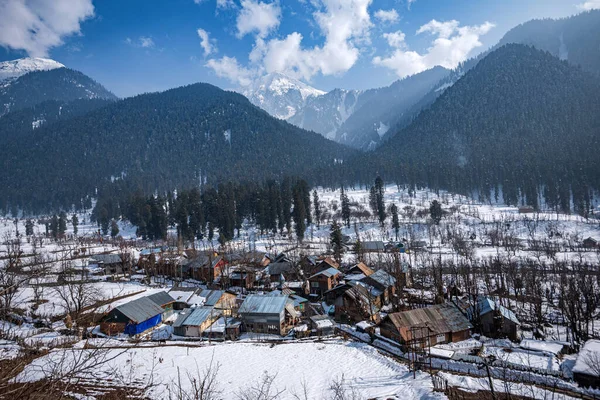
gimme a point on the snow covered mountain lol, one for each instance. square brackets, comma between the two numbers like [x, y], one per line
[280, 95]
[16, 68]
[325, 114]
[31, 81]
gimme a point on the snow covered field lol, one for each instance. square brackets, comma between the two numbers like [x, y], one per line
[363, 369]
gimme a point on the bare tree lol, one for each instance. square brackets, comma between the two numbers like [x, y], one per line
[341, 390]
[263, 389]
[203, 385]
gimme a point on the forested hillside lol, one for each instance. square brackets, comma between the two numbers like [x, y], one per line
[520, 124]
[575, 39]
[157, 141]
[60, 84]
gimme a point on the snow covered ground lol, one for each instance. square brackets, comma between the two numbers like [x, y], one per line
[364, 370]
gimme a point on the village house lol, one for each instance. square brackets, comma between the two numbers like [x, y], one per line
[372, 247]
[442, 323]
[267, 314]
[192, 322]
[322, 325]
[225, 328]
[186, 297]
[384, 285]
[358, 271]
[112, 264]
[590, 243]
[206, 268]
[323, 281]
[586, 371]
[298, 302]
[491, 315]
[354, 302]
[164, 301]
[281, 271]
[132, 318]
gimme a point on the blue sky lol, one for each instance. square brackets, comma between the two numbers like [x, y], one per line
[137, 46]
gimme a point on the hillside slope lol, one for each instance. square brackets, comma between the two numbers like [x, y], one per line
[521, 122]
[184, 136]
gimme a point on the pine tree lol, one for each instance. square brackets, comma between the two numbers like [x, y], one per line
[114, 228]
[336, 239]
[29, 227]
[379, 199]
[345, 208]
[395, 220]
[317, 208]
[62, 224]
[54, 226]
[299, 214]
[435, 211]
[75, 222]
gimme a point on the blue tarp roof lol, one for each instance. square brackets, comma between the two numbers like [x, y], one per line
[140, 310]
[260, 304]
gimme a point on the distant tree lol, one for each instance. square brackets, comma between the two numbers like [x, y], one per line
[373, 200]
[54, 226]
[317, 208]
[345, 208]
[395, 220]
[75, 222]
[62, 224]
[379, 199]
[435, 211]
[29, 227]
[114, 228]
[336, 239]
[299, 214]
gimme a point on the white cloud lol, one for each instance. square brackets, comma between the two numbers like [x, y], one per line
[258, 17]
[395, 39]
[205, 42]
[146, 42]
[589, 5]
[389, 16]
[451, 46]
[409, 3]
[225, 4]
[345, 25]
[36, 26]
[229, 68]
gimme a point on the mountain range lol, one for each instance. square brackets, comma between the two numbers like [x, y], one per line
[519, 121]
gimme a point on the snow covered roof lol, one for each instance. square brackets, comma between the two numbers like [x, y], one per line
[105, 259]
[261, 304]
[441, 353]
[588, 360]
[541, 345]
[329, 272]
[382, 278]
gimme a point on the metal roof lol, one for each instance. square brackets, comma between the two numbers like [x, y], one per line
[487, 305]
[161, 298]
[260, 304]
[139, 310]
[375, 245]
[199, 315]
[280, 267]
[382, 278]
[212, 296]
[329, 272]
[441, 318]
[363, 268]
[106, 258]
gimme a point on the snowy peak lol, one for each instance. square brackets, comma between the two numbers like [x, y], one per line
[22, 66]
[280, 95]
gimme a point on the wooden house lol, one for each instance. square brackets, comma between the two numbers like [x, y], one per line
[422, 327]
[323, 281]
[164, 301]
[590, 243]
[494, 319]
[354, 302]
[112, 264]
[586, 371]
[267, 314]
[192, 322]
[322, 325]
[383, 284]
[132, 318]
[206, 268]
[225, 328]
[359, 269]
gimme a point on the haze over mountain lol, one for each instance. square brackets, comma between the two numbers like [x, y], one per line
[521, 122]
